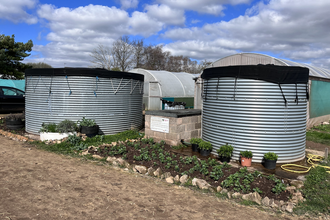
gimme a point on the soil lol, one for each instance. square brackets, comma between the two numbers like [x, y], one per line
[316, 146]
[261, 182]
[36, 184]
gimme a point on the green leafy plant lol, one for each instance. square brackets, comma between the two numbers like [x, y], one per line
[73, 140]
[87, 122]
[257, 190]
[48, 127]
[195, 140]
[67, 126]
[216, 172]
[205, 145]
[246, 154]
[270, 156]
[225, 150]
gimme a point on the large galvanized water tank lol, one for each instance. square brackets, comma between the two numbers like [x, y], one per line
[113, 99]
[261, 108]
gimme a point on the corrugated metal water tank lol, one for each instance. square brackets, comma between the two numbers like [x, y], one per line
[261, 108]
[113, 99]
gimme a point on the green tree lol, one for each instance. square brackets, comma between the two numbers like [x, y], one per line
[11, 53]
[39, 65]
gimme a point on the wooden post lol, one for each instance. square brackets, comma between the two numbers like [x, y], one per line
[326, 152]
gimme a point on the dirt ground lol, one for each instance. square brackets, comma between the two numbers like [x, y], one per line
[35, 184]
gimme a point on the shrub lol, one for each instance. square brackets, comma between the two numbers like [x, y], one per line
[48, 127]
[19, 116]
[270, 156]
[67, 126]
[225, 150]
[205, 145]
[195, 140]
[87, 122]
[246, 154]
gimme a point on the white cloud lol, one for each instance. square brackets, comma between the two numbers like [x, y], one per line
[76, 32]
[125, 4]
[288, 28]
[214, 7]
[14, 10]
[165, 14]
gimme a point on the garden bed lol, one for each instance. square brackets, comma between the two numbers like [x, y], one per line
[160, 155]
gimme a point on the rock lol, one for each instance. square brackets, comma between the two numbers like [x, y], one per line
[121, 162]
[115, 163]
[158, 172]
[169, 180]
[297, 194]
[92, 148]
[223, 191]
[202, 184]
[176, 179]
[255, 197]
[301, 199]
[236, 195]
[111, 159]
[289, 207]
[297, 183]
[281, 202]
[291, 189]
[265, 201]
[274, 206]
[85, 152]
[283, 207]
[219, 188]
[151, 171]
[271, 202]
[302, 178]
[58, 142]
[194, 181]
[183, 179]
[229, 195]
[114, 143]
[141, 169]
[97, 157]
[165, 175]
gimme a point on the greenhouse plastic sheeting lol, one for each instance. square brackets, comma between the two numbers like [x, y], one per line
[319, 103]
[18, 84]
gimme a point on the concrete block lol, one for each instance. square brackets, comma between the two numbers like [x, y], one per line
[190, 127]
[199, 119]
[172, 137]
[179, 121]
[199, 133]
[186, 135]
[147, 124]
[149, 132]
[194, 119]
[186, 120]
[180, 128]
[160, 135]
[198, 125]
[194, 134]
[172, 120]
[173, 128]
[147, 118]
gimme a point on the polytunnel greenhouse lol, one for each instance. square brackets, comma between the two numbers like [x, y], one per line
[113, 99]
[164, 85]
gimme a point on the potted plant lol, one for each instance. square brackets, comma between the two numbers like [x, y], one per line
[270, 159]
[225, 152]
[205, 148]
[51, 131]
[15, 121]
[194, 143]
[246, 158]
[88, 127]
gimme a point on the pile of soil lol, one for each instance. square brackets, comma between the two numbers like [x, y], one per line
[132, 154]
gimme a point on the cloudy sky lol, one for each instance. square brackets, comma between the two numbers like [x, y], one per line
[65, 32]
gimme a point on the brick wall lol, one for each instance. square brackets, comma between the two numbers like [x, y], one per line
[180, 128]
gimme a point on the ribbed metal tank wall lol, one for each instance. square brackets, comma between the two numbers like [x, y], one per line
[253, 116]
[113, 99]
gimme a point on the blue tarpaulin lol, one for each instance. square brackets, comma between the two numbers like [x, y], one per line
[18, 84]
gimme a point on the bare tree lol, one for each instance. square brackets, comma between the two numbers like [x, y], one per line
[122, 51]
[138, 53]
[102, 57]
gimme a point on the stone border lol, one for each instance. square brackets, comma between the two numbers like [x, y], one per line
[15, 137]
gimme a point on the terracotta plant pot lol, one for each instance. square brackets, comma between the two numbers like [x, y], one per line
[246, 162]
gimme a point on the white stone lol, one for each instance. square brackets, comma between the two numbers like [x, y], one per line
[183, 179]
[97, 157]
[158, 172]
[141, 169]
[169, 180]
[176, 179]
[265, 201]
[289, 207]
[151, 171]
[219, 188]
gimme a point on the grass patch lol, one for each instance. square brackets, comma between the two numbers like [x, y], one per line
[318, 137]
[316, 191]
[248, 203]
[325, 128]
